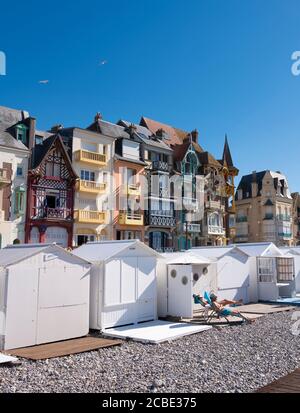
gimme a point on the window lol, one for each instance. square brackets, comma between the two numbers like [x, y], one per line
[131, 149]
[173, 273]
[214, 220]
[53, 169]
[38, 140]
[184, 280]
[21, 131]
[131, 176]
[87, 175]
[19, 171]
[19, 201]
[83, 239]
[88, 146]
[191, 164]
[266, 269]
[285, 269]
[196, 277]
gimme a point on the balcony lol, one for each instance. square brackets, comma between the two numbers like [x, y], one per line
[133, 189]
[91, 158]
[91, 187]
[4, 178]
[160, 166]
[89, 217]
[52, 213]
[191, 227]
[160, 218]
[285, 218]
[128, 218]
[214, 205]
[285, 235]
[215, 230]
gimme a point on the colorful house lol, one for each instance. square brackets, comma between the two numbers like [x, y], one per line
[91, 152]
[159, 202]
[14, 155]
[129, 166]
[51, 189]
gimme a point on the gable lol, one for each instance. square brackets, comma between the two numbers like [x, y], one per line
[53, 160]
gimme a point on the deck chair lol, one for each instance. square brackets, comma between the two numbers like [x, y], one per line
[220, 314]
[208, 312]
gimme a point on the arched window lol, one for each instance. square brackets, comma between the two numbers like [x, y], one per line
[214, 219]
[190, 164]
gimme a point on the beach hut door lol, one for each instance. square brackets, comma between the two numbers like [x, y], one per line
[180, 291]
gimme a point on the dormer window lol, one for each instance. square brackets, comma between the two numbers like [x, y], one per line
[21, 133]
[38, 140]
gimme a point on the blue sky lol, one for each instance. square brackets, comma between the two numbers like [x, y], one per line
[215, 65]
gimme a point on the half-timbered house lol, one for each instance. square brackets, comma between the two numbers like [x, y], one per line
[50, 200]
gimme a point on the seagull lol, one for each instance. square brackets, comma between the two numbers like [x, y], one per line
[103, 62]
[44, 82]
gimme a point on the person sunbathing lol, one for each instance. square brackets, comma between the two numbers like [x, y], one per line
[220, 307]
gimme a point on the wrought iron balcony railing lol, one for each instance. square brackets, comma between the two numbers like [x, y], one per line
[160, 218]
[53, 213]
[160, 166]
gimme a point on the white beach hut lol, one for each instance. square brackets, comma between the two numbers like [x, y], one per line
[295, 253]
[44, 295]
[235, 280]
[180, 275]
[275, 272]
[251, 272]
[123, 282]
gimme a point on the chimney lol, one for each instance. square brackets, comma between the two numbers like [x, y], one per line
[56, 128]
[195, 135]
[31, 124]
[131, 129]
[98, 117]
[254, 187]
[32, 127]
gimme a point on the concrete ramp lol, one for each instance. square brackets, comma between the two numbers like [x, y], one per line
[155, 331]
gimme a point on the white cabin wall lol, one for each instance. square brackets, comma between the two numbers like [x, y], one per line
[207, 282]
[95, 296]
[162, 288]
[253, 286]
[3, 287]
[268, 292]
[297, 272]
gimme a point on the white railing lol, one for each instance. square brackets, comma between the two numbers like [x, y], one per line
[191, 227]
[213, 229]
